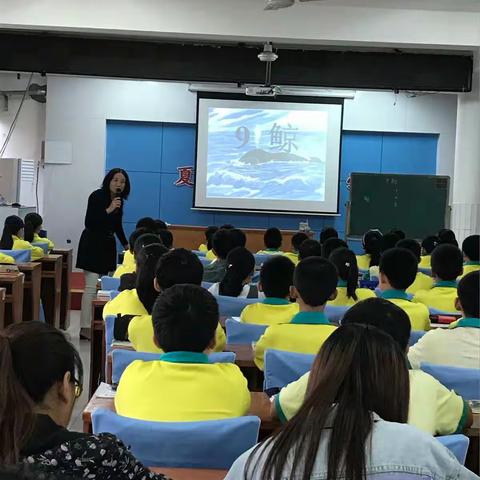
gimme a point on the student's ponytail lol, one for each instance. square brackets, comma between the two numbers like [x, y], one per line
[372, 244]
[346, 263]
[240, 265]
[13, 225]
[32, 222]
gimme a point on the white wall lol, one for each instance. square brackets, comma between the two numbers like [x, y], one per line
[77, 109]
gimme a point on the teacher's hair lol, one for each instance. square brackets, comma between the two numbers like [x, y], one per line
[108, 179]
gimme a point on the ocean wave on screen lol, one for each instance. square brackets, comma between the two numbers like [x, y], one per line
[223, 191]
[236, 180]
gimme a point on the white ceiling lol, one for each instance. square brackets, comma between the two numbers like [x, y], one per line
[445, 5]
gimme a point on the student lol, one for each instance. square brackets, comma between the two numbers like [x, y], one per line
[388, 241]
[371, 243]
[236, 282]
[12, 238]
[297, 239]
[447, 236]
[272, 240]
[160, 225]
[129, 265]
[422, 281]
[428, 245]
[276, 277]
[326, 233]
[166, 237]
[398, 270]
[33, 227]
[183, 386]
[332, 244]
[222, 243]
[433, 408]
[207, 246]
[447, 265]
[178, 266]
[238, 237]
[309, 248]
[41, 378]
[6, 259]
[352, 423]
[314, 283]
[146, 222]
[458, 345]
[471, 254]
[399, 233]
[139, 300]
[348, 292]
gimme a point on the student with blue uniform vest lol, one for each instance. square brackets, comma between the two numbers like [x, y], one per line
[398, 270]
[183, 386]
[314, 283]
[471, 254]
[12, 238]
[33, 228]
[310, 248]
[371, 243]
[178, 266]
[422, 281]
[458, 345]
[447, 265]
[276, 277]
[433, 408]
[272, 240]
[348, 292]
[297, 239]
[428, 245]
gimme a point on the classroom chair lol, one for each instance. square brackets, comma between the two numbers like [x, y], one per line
[233, 306]
[42, 245]
[208, 444]
[205, 261]
[261, 258]
[282, 368]
[465, 381]
[207, 285]
[198, 253]
[426, 271]
[370, 284]
[113, 294]
[121, 359]
[109, 283]
[435, 311]
[335, 313]
[20, 256]
[457, 444]
[415, 336]
[243, 333]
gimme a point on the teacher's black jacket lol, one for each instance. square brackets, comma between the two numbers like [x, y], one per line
[97, 249]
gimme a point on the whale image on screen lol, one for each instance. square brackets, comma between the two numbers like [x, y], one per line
[266, 154]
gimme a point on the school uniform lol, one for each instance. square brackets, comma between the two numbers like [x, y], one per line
[469, 267]
[425, 261]
[441, 297]
[305, 333]
[210, 255]
[270, 251]
[269, 312]
[215, 271]
[293, 256]
[433, 408]
[140, 333]
[182, 387]
[418, 314]
[38, 239]
[458, 345]
[6, 259]
[203, 248]
[342, 300]
[363, 261]
[20, 244]
[125, 303]
[248, 291]
[123, 269]
[422, 282]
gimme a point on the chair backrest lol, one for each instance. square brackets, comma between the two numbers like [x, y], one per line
[457, 444]
[233, 306]
[209, 444]
[282, 368]
[243, 333]
[426, 271]
[261, 258]
[20, 256]
[42, 245]
[335, 313]
[109, 283]
[415, 336]
[436, 311]
[198, 253]
[205, 261]
[207, 285]
[121, 359]
[465, 381]
[113, 294]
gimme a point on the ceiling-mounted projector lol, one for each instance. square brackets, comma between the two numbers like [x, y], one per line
[263, 91]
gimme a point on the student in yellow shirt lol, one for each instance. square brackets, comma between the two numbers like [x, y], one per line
[398, 270]
[422, 281]
[309, 248]
[129, 265]
[348, 293]
[447, 265]
[182, 385]
[371, 242]
[297, 240]
[428, 245]
[276, 277]
[314, 283]
[432, 407]
[12, 238]
[471, 254]
[6, 259]
[273, 241]
[33, 226]
[207, 246]
[178, 266]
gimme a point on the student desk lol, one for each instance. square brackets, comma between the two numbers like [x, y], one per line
[191, 473]
[13, 284]
[32, 287]
[51, 290]
[67, 255]
[97, 345]
[3, 294]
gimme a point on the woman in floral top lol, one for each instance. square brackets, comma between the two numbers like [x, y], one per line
[40, 379]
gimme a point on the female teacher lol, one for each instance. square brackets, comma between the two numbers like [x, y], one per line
[97, 253]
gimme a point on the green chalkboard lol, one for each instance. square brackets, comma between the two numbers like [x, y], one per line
[416, 204]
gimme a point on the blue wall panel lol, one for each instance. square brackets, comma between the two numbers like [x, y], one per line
[151, 153]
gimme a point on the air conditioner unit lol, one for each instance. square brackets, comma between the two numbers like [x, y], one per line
[17, 181]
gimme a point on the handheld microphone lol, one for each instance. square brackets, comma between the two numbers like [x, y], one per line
[119, 193]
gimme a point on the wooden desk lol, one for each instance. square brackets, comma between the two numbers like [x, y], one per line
[67, 255]
[13, 284]
[244, 354]
[51, 290]
[3, 295]
[31, 290]
[97, 345]
[191, 473]
[472, 461]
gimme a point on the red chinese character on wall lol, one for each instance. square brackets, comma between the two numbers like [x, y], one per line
[185, 175]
